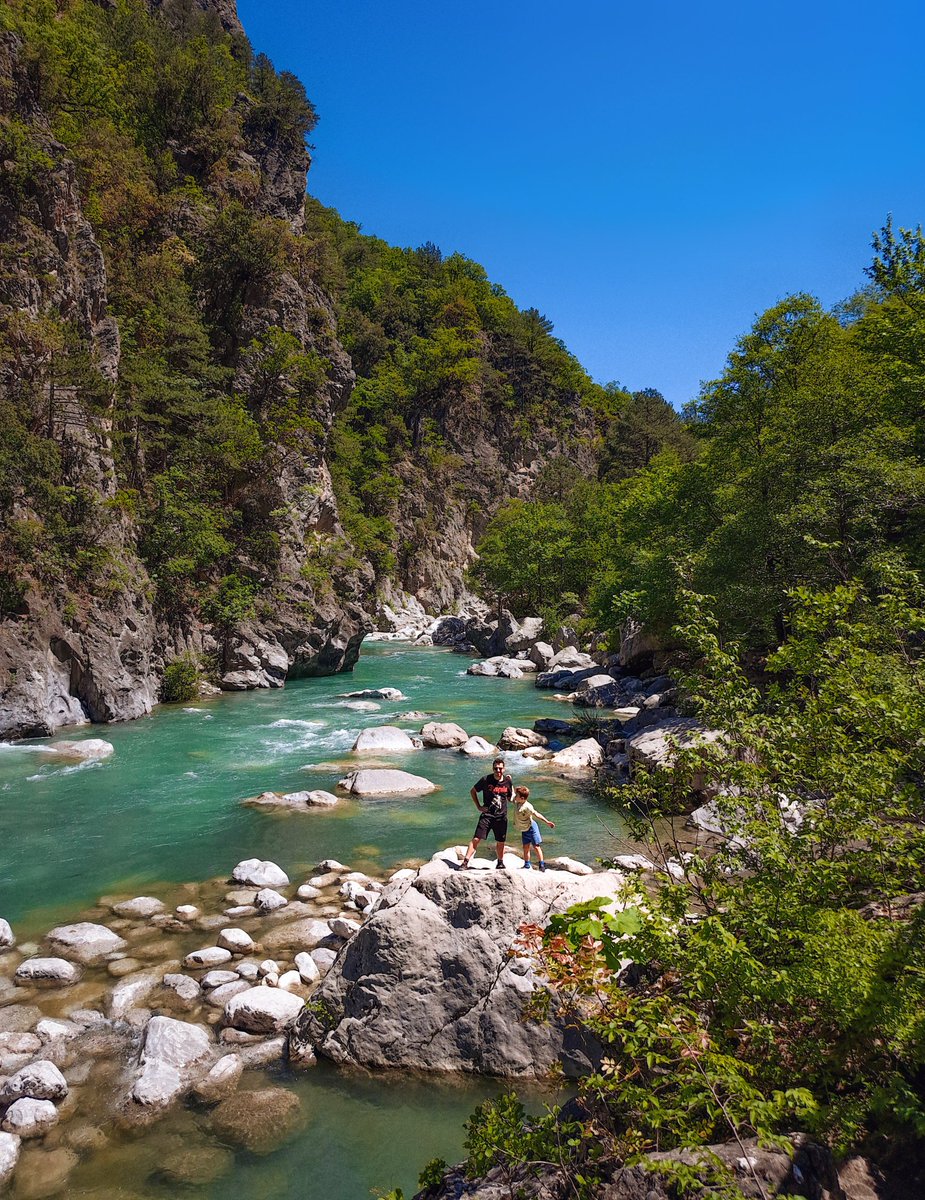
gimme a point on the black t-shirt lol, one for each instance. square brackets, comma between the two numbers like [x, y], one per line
[496, 794]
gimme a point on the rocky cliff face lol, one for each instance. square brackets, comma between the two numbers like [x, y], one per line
[100, 656]
[58, 667]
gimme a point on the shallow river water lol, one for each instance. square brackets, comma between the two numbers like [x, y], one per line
[165, 808]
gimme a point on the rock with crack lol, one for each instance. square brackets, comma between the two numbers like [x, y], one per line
[428, 982]
[171, 1053]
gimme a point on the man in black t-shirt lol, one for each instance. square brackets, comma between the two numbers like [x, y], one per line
[496, 791]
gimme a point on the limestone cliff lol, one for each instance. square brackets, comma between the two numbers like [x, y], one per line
[70, 653]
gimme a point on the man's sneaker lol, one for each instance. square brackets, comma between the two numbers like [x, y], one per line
[542, 866]
[528, 866]
[499, 865]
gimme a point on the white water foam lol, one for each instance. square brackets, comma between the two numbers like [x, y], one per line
[87, 765]
[336, 739]
[292, 723]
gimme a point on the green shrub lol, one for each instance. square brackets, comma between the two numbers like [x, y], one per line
[181, 679]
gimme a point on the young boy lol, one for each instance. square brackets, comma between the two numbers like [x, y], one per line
[525, 818]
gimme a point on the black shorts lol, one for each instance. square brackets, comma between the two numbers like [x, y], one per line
[497, 825]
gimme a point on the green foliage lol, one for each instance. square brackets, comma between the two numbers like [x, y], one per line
[440, 353]
[181, 679]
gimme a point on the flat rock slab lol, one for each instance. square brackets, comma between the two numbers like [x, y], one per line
[47, 973]
[142, 907]
[263, 1010]
[427, 983]
[386, 783]
[84, 942]
[297, 935]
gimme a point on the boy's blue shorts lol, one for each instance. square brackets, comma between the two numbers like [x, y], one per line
[531, 836]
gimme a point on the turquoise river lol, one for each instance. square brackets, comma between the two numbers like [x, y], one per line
[166, 808]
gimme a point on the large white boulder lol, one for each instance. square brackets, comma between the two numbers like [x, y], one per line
[238, 941]
[39, 1080]
[46, 973]
[579, 757]
[655, 748]
[263, 1010]
[570, 658]
[321, 799]
[7, 937]
[384, 782]
[260, 873]
[443, 734]
[478, 747]
[429, 983]
[175, 1042]
[29, 1118]
[516, 738]
[84, 942]
[386, 739]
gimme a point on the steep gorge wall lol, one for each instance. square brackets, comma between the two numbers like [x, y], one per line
[100, 654]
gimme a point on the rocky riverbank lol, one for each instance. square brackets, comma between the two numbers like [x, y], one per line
[162, 1013]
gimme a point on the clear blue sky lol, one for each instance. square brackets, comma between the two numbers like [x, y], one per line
[648, 175]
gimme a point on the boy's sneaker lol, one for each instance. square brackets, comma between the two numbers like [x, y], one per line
[542, 866]
[499, 865]
[528, 866]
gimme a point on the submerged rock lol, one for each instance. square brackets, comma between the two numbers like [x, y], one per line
[84, 751]
[258, 1121]
[141, 906]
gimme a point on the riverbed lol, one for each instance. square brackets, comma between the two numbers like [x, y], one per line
[166, 808]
